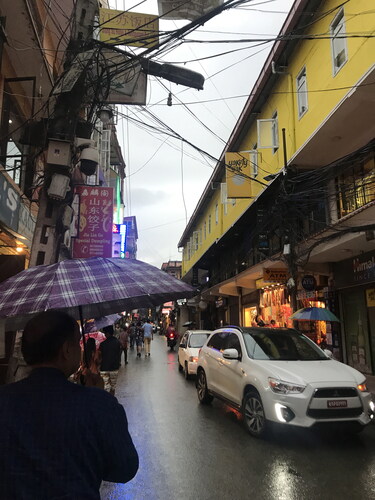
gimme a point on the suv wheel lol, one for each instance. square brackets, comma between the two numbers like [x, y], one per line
[203, 394]
[254, 416]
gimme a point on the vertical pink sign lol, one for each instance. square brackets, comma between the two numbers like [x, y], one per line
[95, 222]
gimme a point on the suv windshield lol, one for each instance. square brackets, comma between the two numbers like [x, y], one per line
[283, 345]
[198, 339]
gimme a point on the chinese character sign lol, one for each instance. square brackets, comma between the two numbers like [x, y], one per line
[95, 222]
[128, 28]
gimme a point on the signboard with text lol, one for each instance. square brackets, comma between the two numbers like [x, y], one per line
[275, 275]
[128, 28]
[9, 203]
[95, 222]
[355, 271]
[238, 175]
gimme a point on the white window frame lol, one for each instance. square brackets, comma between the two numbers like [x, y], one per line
[205, 230]
[224, 196]
[273, 124]
[337, 27]
[275, 132]
[254, 160]
[216, 214]
[188, 251]
[301, 86]
[209, 224]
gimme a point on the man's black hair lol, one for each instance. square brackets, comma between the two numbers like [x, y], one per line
[45, 334]
[108, 330]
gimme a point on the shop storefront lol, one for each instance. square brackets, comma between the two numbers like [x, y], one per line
[250, 303]
[355, 283]
[274, 304]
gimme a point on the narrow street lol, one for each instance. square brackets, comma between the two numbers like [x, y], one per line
[188, 451]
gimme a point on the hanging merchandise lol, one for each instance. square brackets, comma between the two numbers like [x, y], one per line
[275, 305]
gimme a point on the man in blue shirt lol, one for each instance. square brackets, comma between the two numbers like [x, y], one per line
[148, 335]
[59, 440]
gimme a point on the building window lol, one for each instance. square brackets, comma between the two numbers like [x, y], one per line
[217, 213]
[338, 42]
[196, 240]
[275, 132]
[188, 253]
[254, 160]
[205, 230]
[209, 224]
[302, 93]
[356, 186]
[191, 246]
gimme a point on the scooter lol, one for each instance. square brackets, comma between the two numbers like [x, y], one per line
[171, 341]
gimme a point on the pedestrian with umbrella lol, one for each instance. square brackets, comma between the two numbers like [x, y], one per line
[59, 439]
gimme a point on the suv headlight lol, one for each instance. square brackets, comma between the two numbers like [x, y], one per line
[193, 359]
[362, 387]
[281, 387]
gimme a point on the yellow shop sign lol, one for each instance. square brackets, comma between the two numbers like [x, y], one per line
[275, 275]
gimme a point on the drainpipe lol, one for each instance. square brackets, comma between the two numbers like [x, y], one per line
[239, 291]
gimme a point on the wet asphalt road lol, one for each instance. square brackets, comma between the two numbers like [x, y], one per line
[192, 452]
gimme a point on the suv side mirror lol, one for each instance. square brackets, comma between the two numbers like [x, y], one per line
[182, 346]
[328, 353]
[230, 354]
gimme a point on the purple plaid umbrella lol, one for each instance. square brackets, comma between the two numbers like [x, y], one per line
[97, 286]
[106, 320]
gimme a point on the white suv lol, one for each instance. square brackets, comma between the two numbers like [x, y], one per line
[188, 350]
[280, 375]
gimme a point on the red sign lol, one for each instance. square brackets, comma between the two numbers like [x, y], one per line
[95, 222]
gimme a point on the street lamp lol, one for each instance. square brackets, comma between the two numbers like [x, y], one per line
[176, 74]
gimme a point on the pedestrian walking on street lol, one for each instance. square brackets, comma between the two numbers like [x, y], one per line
[148, 335]
[132, 335]
[59, 439]
[89, 370]
[111, 353]
[124, 339]
[139, 338]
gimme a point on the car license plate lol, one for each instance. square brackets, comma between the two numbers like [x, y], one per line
[337, 403]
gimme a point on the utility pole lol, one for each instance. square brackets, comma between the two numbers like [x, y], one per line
[289, 251]
[56, 194]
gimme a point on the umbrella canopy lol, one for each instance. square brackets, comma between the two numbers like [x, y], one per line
[314, 314]
[106, 320]
[98, 336]
[101, 286]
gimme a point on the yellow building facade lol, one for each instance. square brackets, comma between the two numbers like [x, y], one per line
[307, 124]
[302, 90]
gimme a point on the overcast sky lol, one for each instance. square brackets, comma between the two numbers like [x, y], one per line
[159, 169]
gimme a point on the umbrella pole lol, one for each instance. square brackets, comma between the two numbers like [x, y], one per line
[83, 336]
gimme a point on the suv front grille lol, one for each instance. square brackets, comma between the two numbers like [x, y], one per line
[339, 392]
[335, 413]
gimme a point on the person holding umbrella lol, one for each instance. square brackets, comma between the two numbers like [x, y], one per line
[59, 439]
